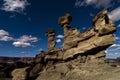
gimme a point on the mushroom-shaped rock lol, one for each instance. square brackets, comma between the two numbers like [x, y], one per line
[65, 20]
[50, 32]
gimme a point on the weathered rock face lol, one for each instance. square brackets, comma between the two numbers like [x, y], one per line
[19, 74]
[91, 42]
[56, 54]
[82, 56]
[51, 43]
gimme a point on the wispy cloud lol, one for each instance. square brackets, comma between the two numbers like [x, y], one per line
[95, 3]
[25, 41]
[115, 45]
[118, 48]
[83, 28]
[114, 54]
[58, 40]
[118, 26]
[114, 51]
[115, 14]
[3, 32]
[25, 53]
[41, 49]
[14, 5]
[60, 36]
[4, 36]
[91, 14]
[117, 38]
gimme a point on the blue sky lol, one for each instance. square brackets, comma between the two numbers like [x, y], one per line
[23, 23]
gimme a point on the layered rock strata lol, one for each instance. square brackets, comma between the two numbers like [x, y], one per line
[82, 56]
[51, 43]
[91, 42]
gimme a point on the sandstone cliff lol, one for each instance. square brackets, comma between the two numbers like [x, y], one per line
[82, 56]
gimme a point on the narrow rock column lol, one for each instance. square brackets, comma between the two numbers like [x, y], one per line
[51, 43]
[64, 21]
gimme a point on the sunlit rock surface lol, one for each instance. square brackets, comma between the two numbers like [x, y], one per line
[82, 56]
[90, 43]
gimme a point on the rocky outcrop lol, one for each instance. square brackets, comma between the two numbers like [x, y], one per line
[7, 68]
[82, 56]
[19, 74]
[51, 43]
[91, 42]
[56, 54]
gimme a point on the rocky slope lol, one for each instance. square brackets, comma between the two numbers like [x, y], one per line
[8, 64]
[81, 58]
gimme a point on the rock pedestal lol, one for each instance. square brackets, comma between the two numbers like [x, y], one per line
[64, 21]
[69, 33]
[51, 43]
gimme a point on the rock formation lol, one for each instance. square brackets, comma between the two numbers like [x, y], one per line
[51, 43]
[91, 42]
[82, 56]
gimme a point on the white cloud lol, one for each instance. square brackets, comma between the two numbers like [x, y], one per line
[4, 36]
[58, 40]
[117, 38]
[118, 26]
[40, 49]
[118, 48]
[115, 14]
[115, 45]
[95, 3]
[91, 14]
[106, 51]
[14, 5]
[25, 41]
[21, 44]
[60, 36]
[24, 52]
[83, 28]
[26, 38]
[114, 48]
[116, 53]
[3, 32]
